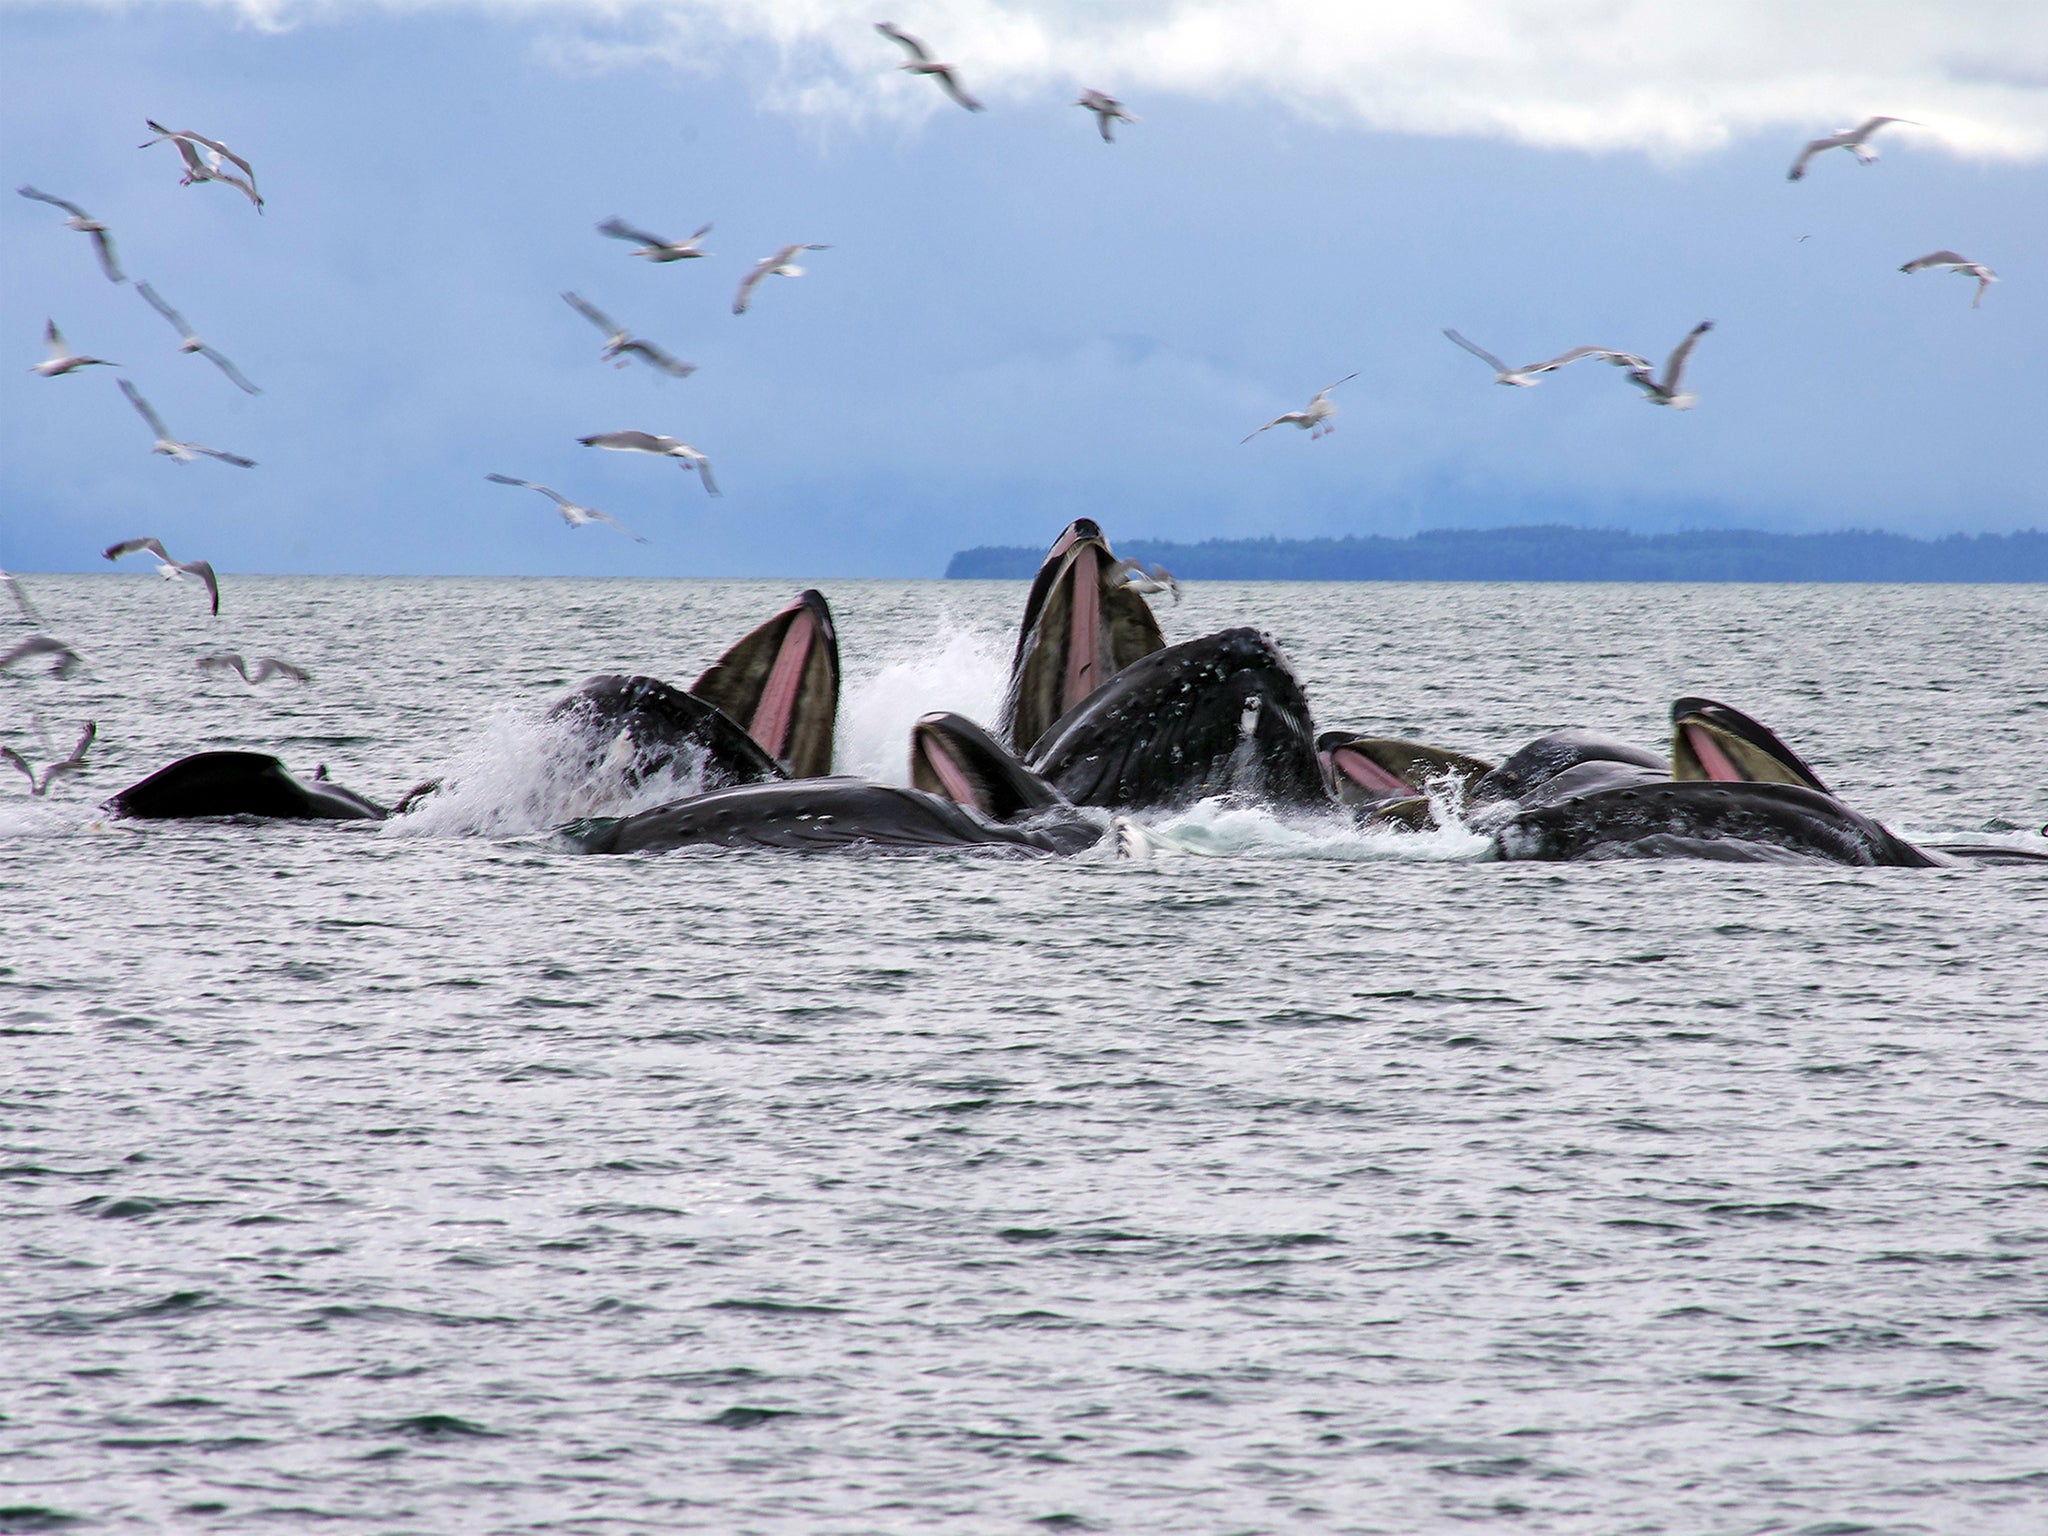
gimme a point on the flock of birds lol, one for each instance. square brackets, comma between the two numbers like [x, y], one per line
[207, 160]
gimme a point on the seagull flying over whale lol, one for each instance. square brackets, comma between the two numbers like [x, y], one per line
[660, 447]
[1851, 139]
[572, 514]
[922, 63]
[181, 452]
[653, 247]
[85, 224]
[1959, 264]
[1311, 419]
[191, 341]
[778, 265]
[1665, 391]
[38, 787]
[62, 359]
[1525, 377]
[169, 569]
[619, 342]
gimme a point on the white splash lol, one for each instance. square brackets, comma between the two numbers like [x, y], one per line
[1219, 828]
[961, 670]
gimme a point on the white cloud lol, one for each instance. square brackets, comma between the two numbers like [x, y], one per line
[1656, 76]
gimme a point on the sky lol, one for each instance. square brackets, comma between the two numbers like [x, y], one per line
[1015, 323]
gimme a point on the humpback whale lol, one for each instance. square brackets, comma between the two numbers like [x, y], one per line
[239, 784]
[644, 726]
[1219, 715]
[780, 682]
[1372, 770]
[952, 756]
[1082, 625]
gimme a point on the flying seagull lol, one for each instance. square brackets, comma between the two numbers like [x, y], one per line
[1525, 377]
[266, 667]
[204, 159]
[618, 341]
[40, 787]
[85, 224]
[28, 609]
[65, 660]
[1107, 110]
[661, 447]
[922, 63]
[62, 359]
[165, 443]
[572, 514]
[169, 569]
[1962, 265]
[1145, 579]
[192, 343]
[1666, 390]
[778, 265]
[1318, 411]
[653, 247]
[1851, 139]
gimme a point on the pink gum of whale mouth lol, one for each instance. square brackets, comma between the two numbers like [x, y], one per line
[1367, 774]
[1084, 627]
[777, 709]
[1718, 766]
[957, 786]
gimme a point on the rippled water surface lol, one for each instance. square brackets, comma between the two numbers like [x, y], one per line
[435, 1179]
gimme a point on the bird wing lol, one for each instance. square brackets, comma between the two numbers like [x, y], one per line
[953, 89]
[248, 188]
[103, 246]
[225, 153]
[673, 366]
[1578, 353]
[753, 280]
[1935, 259]
[1675, 364]
[86, 738]
[148, 411]
[155, 302]
[225, 457]
[21, 762]
[1985, 278]
[204, 572]
[619, 229]
[896, 35]
[56, 202]
[1289, 416]
[1345, 380]
[28, 610]
[1478, 351]
[699, 235]
[225, 661]
[130, 546]
[592, 313]
[629, 442]
[1103, 117]
[1868, 126]
[606, 517]
[274, 666]
[704, 474]
[1813, 147]
[234, 374]
[53, 340]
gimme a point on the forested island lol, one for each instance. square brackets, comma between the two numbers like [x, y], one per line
[1557, 553]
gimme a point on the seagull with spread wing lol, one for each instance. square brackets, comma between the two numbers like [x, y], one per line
[266, 667]
[180, 452]
[1526, 377]
[192, 343]
[572, 514]
[653, 247]
[922, 63]
[1959, 264]
[85, 224]
[64, 660]
[166, 567]
[778, 265]
[62, 359]
[1851, 139]
[204, 160]
[1145, 579]
[1107, 110]
[38, 787]
[1666, 391]
[660, 447]
[619, 341]
[1312, 419]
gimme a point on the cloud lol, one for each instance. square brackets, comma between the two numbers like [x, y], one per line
[1596, 75]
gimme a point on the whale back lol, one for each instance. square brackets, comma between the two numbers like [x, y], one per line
[238, 784]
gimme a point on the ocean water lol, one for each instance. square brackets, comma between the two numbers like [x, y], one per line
[430, 1178]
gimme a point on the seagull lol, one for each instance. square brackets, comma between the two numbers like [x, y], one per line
[28, 609]
[1319, 410]
[653, 247]
[572, 514]
[661, 447]
[62, 359]
[1107, 110]
[778, 265]
[1851, 139]
[85, 224]
[165, 443]
[169, 569]
[66, 662]
[1666, 391]
[1145, 579]
[922, 63]
[618, 341]
[266, 667]
[1525, 377]
[1958, 264]
[204, 158]
[40, 787]
[192, 343]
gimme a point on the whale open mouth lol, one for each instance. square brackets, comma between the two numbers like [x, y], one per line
[781, 682]
[952, 757]
[1721, 745]
[1354, 767]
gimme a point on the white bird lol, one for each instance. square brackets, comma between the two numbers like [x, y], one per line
[166, 567]
[1665, 391]
[85, 224]
[40, 787]
[165, 443]
[653, 247]
[1851, 139]
[65, 660]
[572, 514]
[1961, 265]
[778, 265]
[1107, 110]
[661, 447]
[1525, 377]
[618, 341]
[1145, 579]
[266, 667]
[62, 359]
[922, 63]
[192, 343]
[1311, 419]
[204, 159]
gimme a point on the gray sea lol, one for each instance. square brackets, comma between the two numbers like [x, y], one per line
[432, 1178]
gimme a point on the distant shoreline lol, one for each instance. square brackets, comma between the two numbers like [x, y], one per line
[1556, 553]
